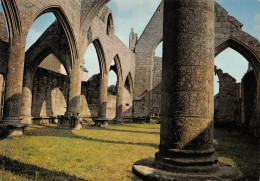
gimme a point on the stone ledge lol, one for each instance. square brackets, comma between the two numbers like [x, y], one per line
[146, 170]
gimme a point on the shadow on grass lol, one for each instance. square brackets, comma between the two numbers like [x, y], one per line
[49, 131]
[129, 131]
[32, 171]
[137, 126]
[242, 149]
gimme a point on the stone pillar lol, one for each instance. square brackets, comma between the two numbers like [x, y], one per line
[26, 108]
[102, 120]
[14, 81]
[10, 126]
[119, 103]
[73, 107]
[75, 88]
[186, 137]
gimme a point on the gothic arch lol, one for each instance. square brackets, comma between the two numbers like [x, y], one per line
[110, 25]
[101, 57]
[118, 69]
[241, 48]
[130, 82]
[66, 25]
[89, 10]
[13, 18]
[41, 56]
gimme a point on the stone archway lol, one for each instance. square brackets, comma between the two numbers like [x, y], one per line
[128, 96]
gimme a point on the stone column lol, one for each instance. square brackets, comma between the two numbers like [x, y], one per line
[14, 81]
[73, 107]
[75, 88]
[26, 108]
[186, 137]
[119, 103]
[102, 120]
[187, 87]
[10, 126]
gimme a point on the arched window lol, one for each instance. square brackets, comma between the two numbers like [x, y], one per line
[110, 25]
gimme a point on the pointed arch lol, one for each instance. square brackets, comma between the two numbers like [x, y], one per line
[40, 57]
[110, 25]
[89, 10]
[66, 25]
[101, 57]
[13, 18]
[118, 69]
[129, 80]
[241, 48]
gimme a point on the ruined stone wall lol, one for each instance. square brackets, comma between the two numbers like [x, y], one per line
[145, 51]
[228, 33]
[111, 45]
[52, 63]
[111, 106]
[53, 44]
[156, 89]
[50, 93]
[91, 93]
[227, 100]
[249, 99]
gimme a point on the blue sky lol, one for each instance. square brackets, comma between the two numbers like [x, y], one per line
[137, 13]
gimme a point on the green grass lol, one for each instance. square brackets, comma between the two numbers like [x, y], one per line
[239, 151]
[48, 153]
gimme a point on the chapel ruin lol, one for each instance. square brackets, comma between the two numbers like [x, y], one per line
[48, 82]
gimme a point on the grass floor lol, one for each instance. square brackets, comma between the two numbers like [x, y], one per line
[48, 153]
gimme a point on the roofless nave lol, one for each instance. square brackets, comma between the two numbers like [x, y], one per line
[187, 72]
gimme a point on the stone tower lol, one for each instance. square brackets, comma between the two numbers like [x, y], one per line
[132, 40]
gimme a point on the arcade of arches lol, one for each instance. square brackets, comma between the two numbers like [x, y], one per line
[48, 81]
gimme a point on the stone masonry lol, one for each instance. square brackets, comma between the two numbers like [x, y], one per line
[228, 33]
[227, 107]
[68, 38]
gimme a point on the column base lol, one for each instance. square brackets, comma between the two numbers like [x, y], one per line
[26, 120]
[118, 121]
[146, 170]
[101, 122]
[69, 122]
[10, 127]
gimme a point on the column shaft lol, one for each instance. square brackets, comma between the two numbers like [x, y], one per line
[103, 96]
[75, 88]
[187, 85]
[26, 108]
[119, 103]
[14, 81]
